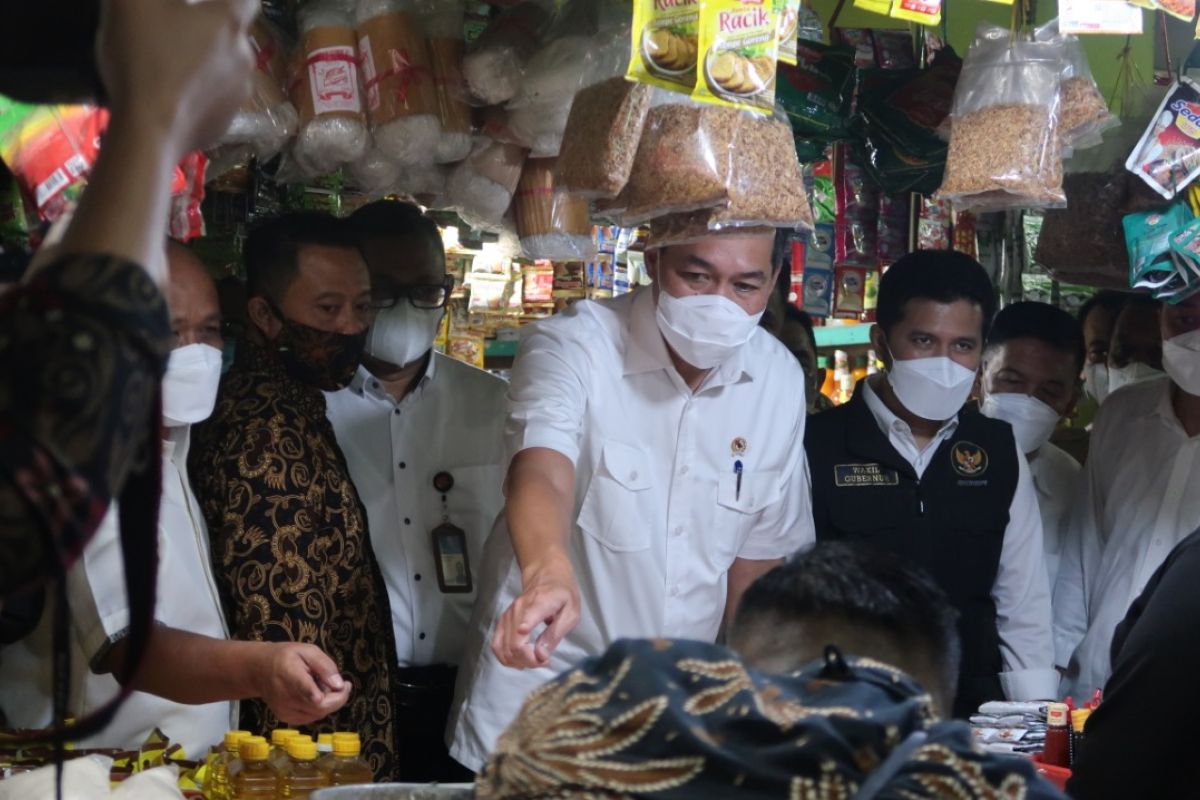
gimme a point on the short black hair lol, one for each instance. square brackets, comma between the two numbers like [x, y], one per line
[271, 250]
[394, 218]
[1043, 322]
[1107, 299]
[793, 314]
[943, 276]
[864, 599]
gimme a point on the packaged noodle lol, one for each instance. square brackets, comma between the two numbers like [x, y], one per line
[601, 138]
[483, 184]
[926, 12]
[401, 99]
[325, 91]
[739, 46]
[494, 66]
[683, 160]
[1168, 156]
[267, 119]
[789, 29]
[665, 43]
[551, 223]
[444, 29]
[1005, 148]
[1084, 115]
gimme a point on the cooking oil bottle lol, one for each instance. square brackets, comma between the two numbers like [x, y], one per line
[218, 775]
[301, 777]
[251, 776]
[347, 767]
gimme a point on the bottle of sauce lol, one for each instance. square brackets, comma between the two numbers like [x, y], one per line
[1057, 750]
[251, 776]
[218, 776]
[347, 768]
[301, 776]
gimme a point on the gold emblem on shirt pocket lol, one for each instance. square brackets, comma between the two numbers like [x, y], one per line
[611, 510]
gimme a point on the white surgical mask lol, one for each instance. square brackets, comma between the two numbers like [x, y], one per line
[1181, 358]
[402, 334]
[932, 388]
[190, 386]
[1135, 372]
[704, 329]
[1032, 420]
[1095, 381]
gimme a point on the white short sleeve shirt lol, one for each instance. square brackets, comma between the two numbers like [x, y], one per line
[659, 513]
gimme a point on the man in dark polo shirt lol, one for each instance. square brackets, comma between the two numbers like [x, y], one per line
[902, 468]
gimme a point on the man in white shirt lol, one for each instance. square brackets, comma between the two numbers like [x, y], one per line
[1135, 352]
[1140, 497]
[1030, 379]
[903, 468]
[191, 676]
[423, 438]
[657, 470]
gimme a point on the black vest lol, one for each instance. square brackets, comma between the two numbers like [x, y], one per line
[951, 521]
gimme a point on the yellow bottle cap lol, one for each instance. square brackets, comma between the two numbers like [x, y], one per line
[233, 737]
[346, 744]
[1079, 718]
[302, 748]
[254, 748]
[280, 736]
[325, 738]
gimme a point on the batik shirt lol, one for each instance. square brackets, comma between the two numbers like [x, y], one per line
[292, 557]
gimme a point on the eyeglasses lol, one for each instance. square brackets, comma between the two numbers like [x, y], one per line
[427, 296]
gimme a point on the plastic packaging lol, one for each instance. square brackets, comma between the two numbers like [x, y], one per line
[551, 223]
[267, 119]
[425, 182]
[1077, 243]
[375, 174]
[683, 160]
[789, 29]
[482, 185]
[346, 768]
[601, 138]
[665, 43]
[325, 91]
[1005, 148]
[766, 184]
[1084, 114]
[816, 92]
[537, 115]
[401, 99]
[1168, 156]
[496, 62]
[925, 12]
[444, 29]
[676, 229]
[739, 48]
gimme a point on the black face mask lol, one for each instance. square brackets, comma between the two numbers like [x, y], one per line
[325, 360]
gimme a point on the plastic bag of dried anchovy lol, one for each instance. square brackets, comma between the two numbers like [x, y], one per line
[601, 138]
[1084, 113]
[1006, 149]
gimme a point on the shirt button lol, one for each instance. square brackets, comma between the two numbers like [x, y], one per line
[683, 470]
[678, 530]
[403, 465]
[418, 576]
[633, 476]
[421, 637]
[674, 591]
[407, 521]
[397, 411]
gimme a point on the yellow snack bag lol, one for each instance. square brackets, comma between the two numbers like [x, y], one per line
[739, 47]
[789, 29]
[664, 43]
[875, 6]
[926, 12]
[1000, 2]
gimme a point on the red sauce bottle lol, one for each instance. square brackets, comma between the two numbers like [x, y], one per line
[1057, 750]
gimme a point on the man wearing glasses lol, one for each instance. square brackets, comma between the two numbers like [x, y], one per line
[423, 437]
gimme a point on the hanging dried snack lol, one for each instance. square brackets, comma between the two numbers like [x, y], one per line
[444, 33]
[496, 62]
[766, 183]
[1084, 114]
[739, 48]
[1168, 156]
[601, 138]
[676, 229]
[682, 162]
[1005, 148]
[482, 186]
[551, 223]
[267, 119]
[665, 43]
[789, 29]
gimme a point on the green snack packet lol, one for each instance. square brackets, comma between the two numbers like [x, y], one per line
[816, 93]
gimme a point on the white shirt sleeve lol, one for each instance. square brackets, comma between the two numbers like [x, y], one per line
[1022, 597]
[786, 526]
[547, 396]
[96, 590]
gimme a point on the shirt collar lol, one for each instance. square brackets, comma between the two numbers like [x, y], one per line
[364, 384]
[176, 444]
[888, 421]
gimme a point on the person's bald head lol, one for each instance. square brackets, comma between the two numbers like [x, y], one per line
[192, 299]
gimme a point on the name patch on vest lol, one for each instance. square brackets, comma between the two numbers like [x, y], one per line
[864, 475]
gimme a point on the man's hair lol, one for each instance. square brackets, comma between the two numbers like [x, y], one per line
[943, 276]
[1109, 299]
[271, 252]
[1042, 322]
[793, 314]
[394, 218]
[868, 602]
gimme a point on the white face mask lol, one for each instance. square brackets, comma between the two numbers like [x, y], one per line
[932, 388]
[1032, 420]
[1095, 381]
[704, 329]
[1181, 358]
[190, 385]
[402, 334]
[1135, 372]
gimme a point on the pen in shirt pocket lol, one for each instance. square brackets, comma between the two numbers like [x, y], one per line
[737, 470]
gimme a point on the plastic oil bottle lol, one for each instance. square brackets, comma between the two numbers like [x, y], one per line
[251, 776]
[218, 776]
[301, 776]
[279, 740]
[347, 768]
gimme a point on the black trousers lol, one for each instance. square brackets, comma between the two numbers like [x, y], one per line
[423, 697]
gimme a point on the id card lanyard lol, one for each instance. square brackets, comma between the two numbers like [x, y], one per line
[450, 545]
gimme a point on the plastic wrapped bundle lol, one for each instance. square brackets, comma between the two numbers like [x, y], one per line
[1084, 114]
[444, 32]
[494, 67]
[375, 173]
[482, 186]
[424, 182]
[325, 91]
[552, 223]
[267, 119]
[766, 184]
[601, 139]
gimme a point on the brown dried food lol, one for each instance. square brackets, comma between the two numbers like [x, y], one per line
[682, 161]
[1004, 156]
[1082, 104]
[766, 186]
[673, 229]
[601, 139]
